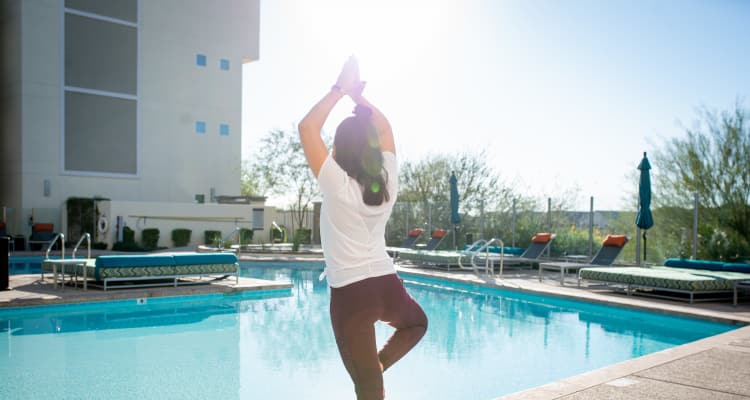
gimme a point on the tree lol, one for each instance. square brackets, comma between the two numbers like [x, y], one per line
[283, 170]
[714, 162]
[251, 180]
[425, 192]
[427, 181]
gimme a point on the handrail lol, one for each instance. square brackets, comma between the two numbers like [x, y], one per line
[489, 265]
[484, 246]
[52, 243]
[229, 236]
[476, 246]
[86, 236]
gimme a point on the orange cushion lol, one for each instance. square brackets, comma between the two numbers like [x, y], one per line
[615, 240]
[43, 227]
[439, 233]
[415, 232]
[542, 238]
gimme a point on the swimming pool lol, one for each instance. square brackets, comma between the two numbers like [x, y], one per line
[481, 343]
[25, 265]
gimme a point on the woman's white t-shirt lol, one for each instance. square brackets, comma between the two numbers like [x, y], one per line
[352, 233]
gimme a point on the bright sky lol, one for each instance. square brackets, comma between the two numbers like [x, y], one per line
[561, 94]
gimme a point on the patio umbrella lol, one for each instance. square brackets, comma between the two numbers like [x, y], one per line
[643, 219]
[455, 218]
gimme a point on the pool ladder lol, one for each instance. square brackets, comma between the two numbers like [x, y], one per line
[477, 248]
[86, 236]
[220, 246]
[61, 237]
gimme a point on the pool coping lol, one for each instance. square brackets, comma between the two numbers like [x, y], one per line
[28, 291]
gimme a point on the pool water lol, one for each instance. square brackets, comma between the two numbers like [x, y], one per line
[25, 265]
[481, 343]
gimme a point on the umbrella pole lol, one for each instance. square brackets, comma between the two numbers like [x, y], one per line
[645, 245]
[454, 238]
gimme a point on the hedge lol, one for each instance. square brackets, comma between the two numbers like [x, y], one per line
[150, 238]
[181, 237]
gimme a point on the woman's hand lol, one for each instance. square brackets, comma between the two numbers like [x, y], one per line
[356, 92]
[349, 77]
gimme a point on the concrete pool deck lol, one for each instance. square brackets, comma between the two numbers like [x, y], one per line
[28, 290]
[714, 368]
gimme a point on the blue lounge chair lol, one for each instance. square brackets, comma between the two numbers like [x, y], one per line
[435, 239]
[41, 236]
[612, 246]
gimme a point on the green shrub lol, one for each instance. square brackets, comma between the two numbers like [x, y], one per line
[246, 235]
[128, 235]
[150, 238]
[99, 246]
[181, 237]
[212, 237]
[301, 236]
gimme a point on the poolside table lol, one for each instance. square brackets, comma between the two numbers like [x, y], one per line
[572, 263]
[62, 263]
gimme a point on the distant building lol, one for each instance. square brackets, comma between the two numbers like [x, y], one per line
[134, 101]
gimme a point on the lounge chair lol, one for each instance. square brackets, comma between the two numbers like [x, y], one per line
[539, 244]
[411, 238]
[435, 239]
[409, 242]
[424, 250]
[612, 246]
[139, 270]
[706, 279]
[41, 236]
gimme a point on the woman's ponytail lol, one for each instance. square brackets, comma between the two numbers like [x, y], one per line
[358, 153]
[374, 192]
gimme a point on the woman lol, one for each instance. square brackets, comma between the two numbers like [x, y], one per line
[358, 181]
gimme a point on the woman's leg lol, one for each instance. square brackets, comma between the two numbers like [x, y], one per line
[354, 310]
[404, 314]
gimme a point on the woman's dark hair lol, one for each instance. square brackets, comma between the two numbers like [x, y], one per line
[358, 153]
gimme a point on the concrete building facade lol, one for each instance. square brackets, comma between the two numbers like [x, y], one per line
[134, 101]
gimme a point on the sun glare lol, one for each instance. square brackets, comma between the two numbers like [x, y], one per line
[386, 36]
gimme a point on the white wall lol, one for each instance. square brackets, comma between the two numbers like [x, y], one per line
[196, 217]
[175, 162]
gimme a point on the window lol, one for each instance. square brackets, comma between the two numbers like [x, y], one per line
[224, 64]
[100, 134]
[200, 127]
[224, 130]
[258, 221]
[200, 60]
[100, 88]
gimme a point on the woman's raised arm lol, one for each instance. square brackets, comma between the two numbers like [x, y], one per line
[385, 133]
[311, 125]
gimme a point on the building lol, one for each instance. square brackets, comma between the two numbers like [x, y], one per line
[137, 102]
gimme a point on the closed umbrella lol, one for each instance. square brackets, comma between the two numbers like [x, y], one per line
[644, 220]
[455, 218]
